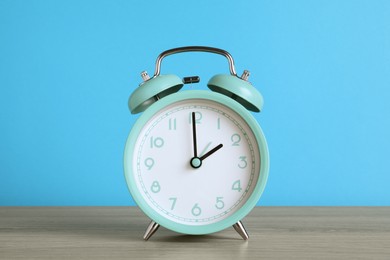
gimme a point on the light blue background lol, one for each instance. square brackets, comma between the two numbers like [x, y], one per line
[68, 67]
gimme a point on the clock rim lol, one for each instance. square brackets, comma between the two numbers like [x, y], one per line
[196, 229]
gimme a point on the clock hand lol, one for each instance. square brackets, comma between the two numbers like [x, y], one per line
[196, 162]
[205, 149]
[194, 135]
[211, 152]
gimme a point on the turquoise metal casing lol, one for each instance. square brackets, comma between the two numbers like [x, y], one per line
[240, 90]
[153, 89]
[130, 150]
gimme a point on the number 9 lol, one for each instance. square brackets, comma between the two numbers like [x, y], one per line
[149, 163]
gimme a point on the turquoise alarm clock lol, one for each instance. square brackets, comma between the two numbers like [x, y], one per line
[196, 161]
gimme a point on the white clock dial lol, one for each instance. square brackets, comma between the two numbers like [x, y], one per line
[208, 188]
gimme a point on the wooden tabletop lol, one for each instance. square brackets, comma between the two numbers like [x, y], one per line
[116, 233]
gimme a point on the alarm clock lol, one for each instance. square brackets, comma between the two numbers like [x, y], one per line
[196, 161]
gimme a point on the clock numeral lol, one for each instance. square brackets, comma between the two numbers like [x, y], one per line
[172, 123]
[243, 163]
[236, 139]
[219, 123]
[149, 163]
[157, 142]
[196, 210]
[237, 186]
[155, 188]
[198, 117]
[173, 202]
[219, 204]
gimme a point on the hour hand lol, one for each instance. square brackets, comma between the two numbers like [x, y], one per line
[211, 152]
[196, 162]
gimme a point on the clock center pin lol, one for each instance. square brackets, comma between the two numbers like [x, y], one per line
[196, 162]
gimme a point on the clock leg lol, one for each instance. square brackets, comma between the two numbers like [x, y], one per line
[239, 227]
[152, 228]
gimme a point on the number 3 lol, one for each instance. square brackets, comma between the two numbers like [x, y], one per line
[243, 163]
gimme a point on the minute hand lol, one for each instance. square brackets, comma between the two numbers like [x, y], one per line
[211, 152]
[194, 135]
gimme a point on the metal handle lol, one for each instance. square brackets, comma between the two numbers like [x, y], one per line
[195, 49]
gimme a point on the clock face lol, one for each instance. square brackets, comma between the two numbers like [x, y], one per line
[194, 162]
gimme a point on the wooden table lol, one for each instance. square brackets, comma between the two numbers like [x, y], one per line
[116, 232]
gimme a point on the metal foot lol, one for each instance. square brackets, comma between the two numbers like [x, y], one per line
[239, 227]
[152, 228]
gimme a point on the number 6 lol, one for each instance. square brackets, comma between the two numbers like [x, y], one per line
[196, 210]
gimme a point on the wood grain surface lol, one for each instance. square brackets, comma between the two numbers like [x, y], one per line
[116, 233]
